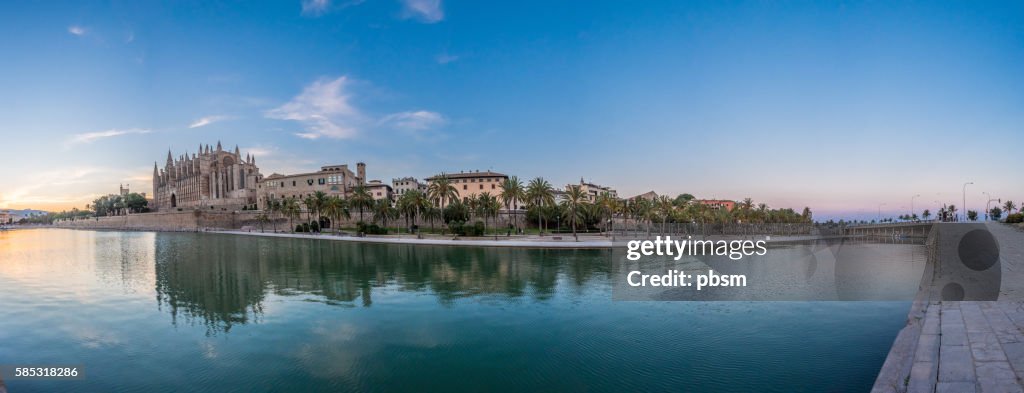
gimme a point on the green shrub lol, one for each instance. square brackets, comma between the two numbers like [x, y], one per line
[315, 227]
[1015, 218]
[460, 228]
[371, 229]
[457, 227]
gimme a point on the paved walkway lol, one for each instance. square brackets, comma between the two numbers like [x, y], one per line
[969, 346]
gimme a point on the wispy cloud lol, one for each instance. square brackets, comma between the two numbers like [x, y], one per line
[320, 7]
[314, 7]
[76, 30]
[445, 58]
[90, 137]
[205, 121]
[260, 151]
[426, 11]
[323, 108]
[413, 120]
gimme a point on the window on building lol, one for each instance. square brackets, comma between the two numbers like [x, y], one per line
[464, 187]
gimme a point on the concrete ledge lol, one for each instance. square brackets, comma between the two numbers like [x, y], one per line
[899, 372]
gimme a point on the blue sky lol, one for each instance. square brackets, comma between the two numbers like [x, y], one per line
[837, 106]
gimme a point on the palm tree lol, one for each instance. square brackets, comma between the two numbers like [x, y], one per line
[262, 219]
[319, 200]
[431, 213]
[383, 211]
[411, 204]
[665, 207]
[442, 190]
[336, 208]
[540, 194]
[291, 209]
[310, 202]
[575, 198]
[605, 205]
[1009, 206]
[361, 199]
[273, 207]
[951, 209]
[511, 193]
[925, 214]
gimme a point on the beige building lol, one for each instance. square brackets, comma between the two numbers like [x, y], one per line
[378, 190]
[593, 190]
[471, 184]
[212, 178]
[717, 204]
[406, 184]
[6, 217]
[335, 180]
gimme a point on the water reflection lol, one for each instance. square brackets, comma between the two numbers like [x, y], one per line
[223, 280]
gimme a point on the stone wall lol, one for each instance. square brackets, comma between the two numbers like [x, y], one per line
[168, 221]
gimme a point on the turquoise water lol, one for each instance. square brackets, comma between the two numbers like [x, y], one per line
[172, 312]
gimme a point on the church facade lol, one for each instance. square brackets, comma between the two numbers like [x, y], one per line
[212, 178]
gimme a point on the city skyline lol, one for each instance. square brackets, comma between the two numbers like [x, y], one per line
[840, 107]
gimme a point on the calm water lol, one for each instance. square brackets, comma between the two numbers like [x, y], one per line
[175, 312]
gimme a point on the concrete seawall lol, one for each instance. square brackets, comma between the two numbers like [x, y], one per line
[167, 221]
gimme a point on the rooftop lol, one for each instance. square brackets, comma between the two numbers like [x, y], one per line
[466, 175]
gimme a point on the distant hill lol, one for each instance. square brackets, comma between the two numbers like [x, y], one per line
[24, 213]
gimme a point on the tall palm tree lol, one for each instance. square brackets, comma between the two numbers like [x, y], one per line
[291, 209]
[431, 213]
[607, 206]
[951, 210]
[665, 208]
[383, 211]
[335, 207]
[575, 198]
[361, 199]
[1009, 206]
[411, 204]
[273, 207]
[511, 193]
[540, 194]
[310, 203]
[319, 200]
[442, 190]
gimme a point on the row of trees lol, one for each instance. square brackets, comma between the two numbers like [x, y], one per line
[576, 210]
[117, 205]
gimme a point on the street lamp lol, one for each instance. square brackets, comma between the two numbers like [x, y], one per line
[912, 205]
[880, 212]
[965, 199]
[988, 198]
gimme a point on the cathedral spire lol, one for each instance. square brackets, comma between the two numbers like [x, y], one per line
[218, 146]
[239, 155]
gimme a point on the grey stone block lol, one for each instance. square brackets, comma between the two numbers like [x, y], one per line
[955, 364]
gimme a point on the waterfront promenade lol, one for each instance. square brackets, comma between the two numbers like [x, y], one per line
[964, 346]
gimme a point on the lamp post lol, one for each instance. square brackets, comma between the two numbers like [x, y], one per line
[912, 205]
[880, 212]
[988, 198]
[965, 199]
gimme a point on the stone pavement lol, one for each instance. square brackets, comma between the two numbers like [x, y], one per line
[967, 346]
